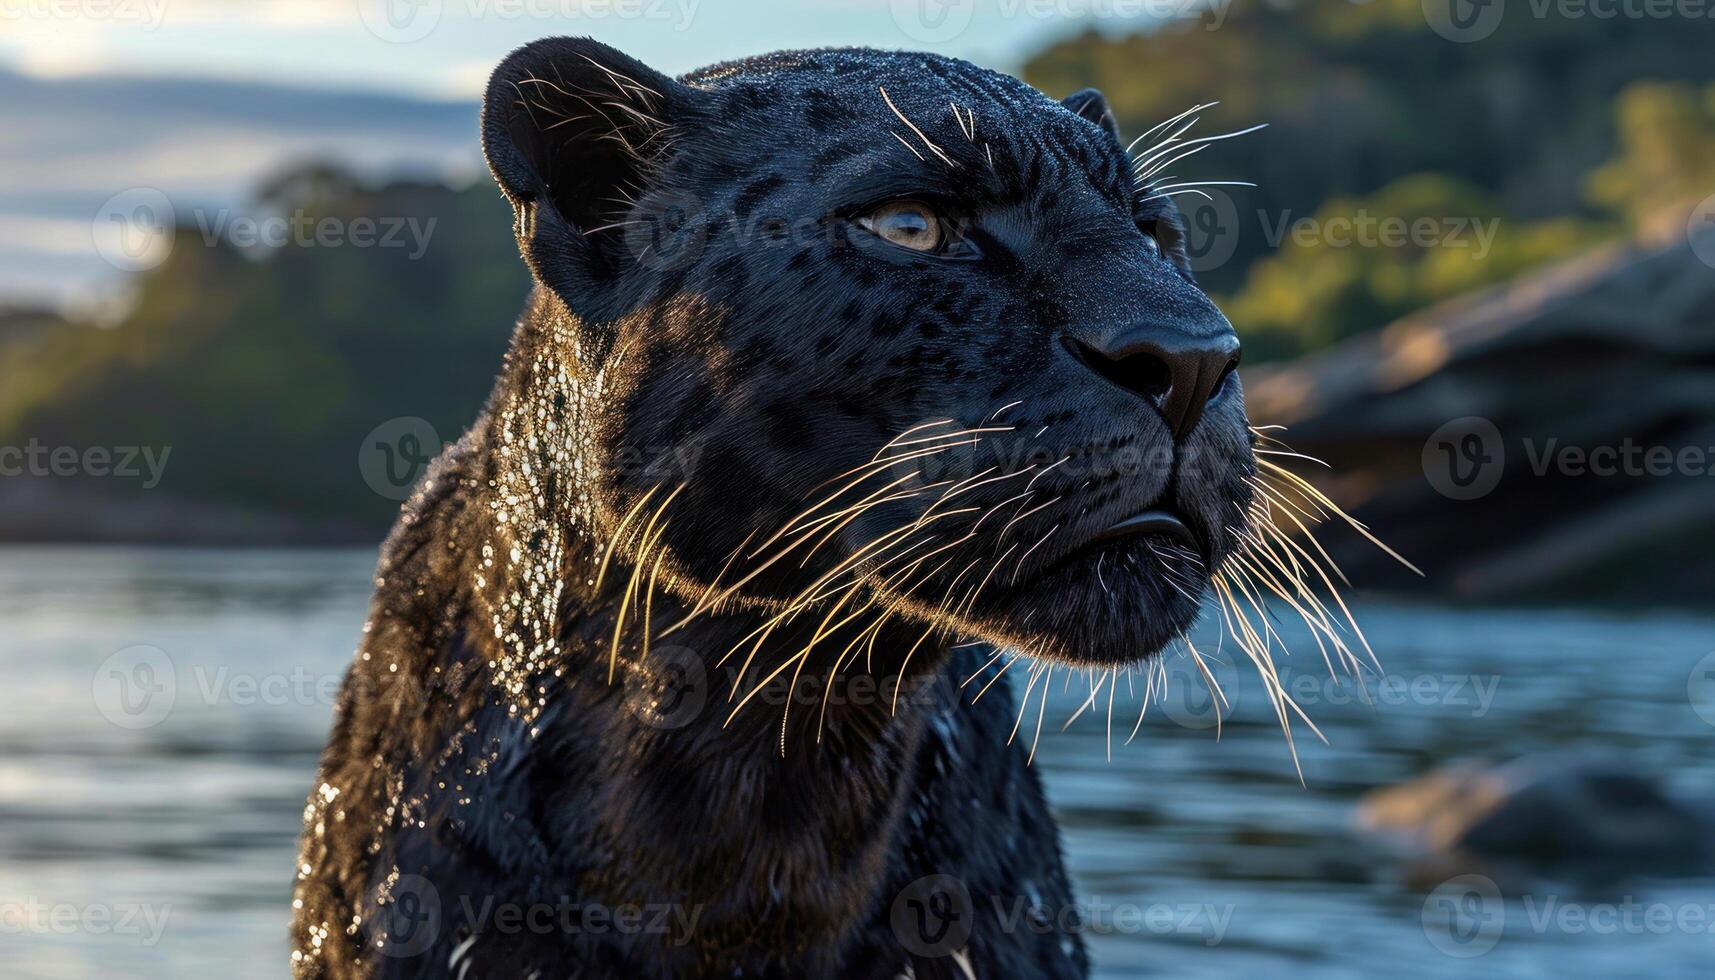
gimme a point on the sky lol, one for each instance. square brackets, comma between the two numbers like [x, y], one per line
[108, 103]
[445, 48]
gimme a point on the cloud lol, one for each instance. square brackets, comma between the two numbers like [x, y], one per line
[205, 143]
[48, 236]
[467, 80]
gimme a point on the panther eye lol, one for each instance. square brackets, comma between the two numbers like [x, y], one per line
[1151, 241]
[907, 224]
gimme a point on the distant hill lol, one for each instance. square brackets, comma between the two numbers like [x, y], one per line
[264, 372]
[267, 372]
[72, 143]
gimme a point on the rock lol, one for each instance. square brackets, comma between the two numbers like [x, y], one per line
[1534, 390]
[1552, 817]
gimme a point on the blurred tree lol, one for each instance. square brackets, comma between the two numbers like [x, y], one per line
[264, 368]
[1362, 95]
[1667, 151]
[1358, 263]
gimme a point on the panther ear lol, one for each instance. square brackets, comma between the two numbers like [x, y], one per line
[1092, 105]
[572, 130]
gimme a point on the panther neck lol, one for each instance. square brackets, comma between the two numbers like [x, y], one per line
[755, 769]
[760, 782]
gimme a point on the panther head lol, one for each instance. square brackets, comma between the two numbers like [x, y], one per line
[884, 321]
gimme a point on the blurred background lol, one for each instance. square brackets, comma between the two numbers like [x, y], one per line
[253, 275]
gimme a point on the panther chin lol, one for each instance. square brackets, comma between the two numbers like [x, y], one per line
[1116, 598]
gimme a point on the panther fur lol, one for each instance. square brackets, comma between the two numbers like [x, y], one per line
[745, 447]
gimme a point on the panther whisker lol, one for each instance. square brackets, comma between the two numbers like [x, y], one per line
[1041, 711]
[1239, 579]
[1088, 703]
[1210, 684]
[1293, 455]
[1294, 514]
[900, 682]
[970, 133]
[1321, 623]
[1160, 186]
[1155, 668]
[1004, 476]
[1046, 503]
[911, 431]
[1334, 508]
[1158, 127]
[1064, 459]
[1238, 626]
[996, 508]
[843, 518]
[707, 603]
[631, 587]
[1170, 140]
[972, 601]
[839, 664]
[1318, 624]
[613, 545]
[1187, 148]
[1172, 194]
[1001, 652]
[1279, 547]
[948, 598]
[800, 658]
[649, 601]
[920, 135]
[1036, 672]
[1024, 557]
[1016, 657]
[1112, 686]
[975, 434]
[1239, 582]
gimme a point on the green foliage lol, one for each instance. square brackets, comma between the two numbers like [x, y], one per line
[1667, 151]
[1373, 113]
[1363, 262]
[264, 372]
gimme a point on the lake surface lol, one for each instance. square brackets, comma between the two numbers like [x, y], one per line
[153, 836]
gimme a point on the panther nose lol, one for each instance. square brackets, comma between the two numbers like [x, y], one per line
[1179, 372]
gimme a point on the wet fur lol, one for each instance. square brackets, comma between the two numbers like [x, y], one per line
[495, 741]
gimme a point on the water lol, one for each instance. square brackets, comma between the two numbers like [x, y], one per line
[130, 849]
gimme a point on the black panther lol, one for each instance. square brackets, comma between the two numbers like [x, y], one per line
[848, 378]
